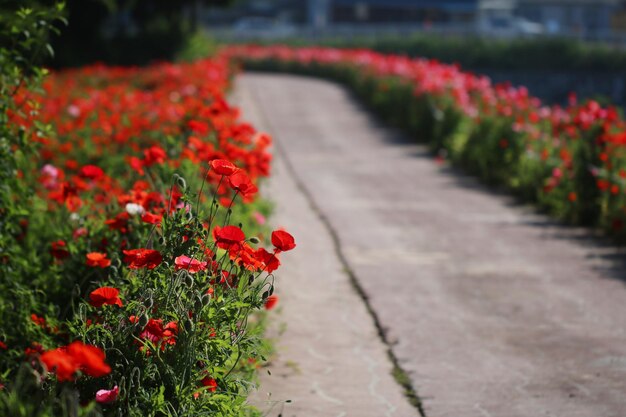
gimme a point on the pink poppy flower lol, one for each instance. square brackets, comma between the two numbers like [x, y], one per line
[107, 396]
[191, 265]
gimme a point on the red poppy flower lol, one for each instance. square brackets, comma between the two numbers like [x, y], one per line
[271, 302]
[210, 383]
[3, 345]
[154, 155]
[35, 349]
[225, 202]
[246, 257]
[223, 167]
[89, 358]
[283, 241]
[198, 127]
[120, 222]
[39, 321]
[228, 235]
[148, 217]
[169, 332]
[142, 258]
[241, 182]
[65, 361]
[58, 249]
[136, 164]
[105, 296]
[155, 332]
[98, 259]
[71, 164]
[269, 259]
[59, 362]
[91, 172]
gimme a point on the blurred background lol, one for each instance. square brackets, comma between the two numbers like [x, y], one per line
[592, 20]
[550, 46]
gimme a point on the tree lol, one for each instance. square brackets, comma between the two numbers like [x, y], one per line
[127, 31]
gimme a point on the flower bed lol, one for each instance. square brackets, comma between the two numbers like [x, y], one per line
[570, 161]
[132, 265]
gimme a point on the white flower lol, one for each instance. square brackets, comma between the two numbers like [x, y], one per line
[134, 209]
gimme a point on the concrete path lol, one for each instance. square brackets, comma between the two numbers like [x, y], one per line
[330, 360]
[493, 310]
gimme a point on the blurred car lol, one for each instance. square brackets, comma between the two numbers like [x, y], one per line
[262, 27]
[509, 26]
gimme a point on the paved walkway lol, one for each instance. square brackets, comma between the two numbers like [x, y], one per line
[491, 309]
[331, 361]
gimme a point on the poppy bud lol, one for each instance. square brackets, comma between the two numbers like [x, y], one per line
[180, 181]
[254, 240]
[198, 303]
[188, 325]
[189, 280]
[206, 299]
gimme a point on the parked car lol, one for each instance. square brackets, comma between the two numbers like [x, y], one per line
[509, 26]
[262, 27]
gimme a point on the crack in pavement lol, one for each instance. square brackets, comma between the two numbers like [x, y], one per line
[408, 388]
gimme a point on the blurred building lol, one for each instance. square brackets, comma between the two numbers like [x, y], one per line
[286, 11]
[401, 11]
[322, 13]
[581, 19]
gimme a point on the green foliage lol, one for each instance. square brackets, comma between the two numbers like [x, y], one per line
[24, 33]
[27, 399]
[199, 45]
